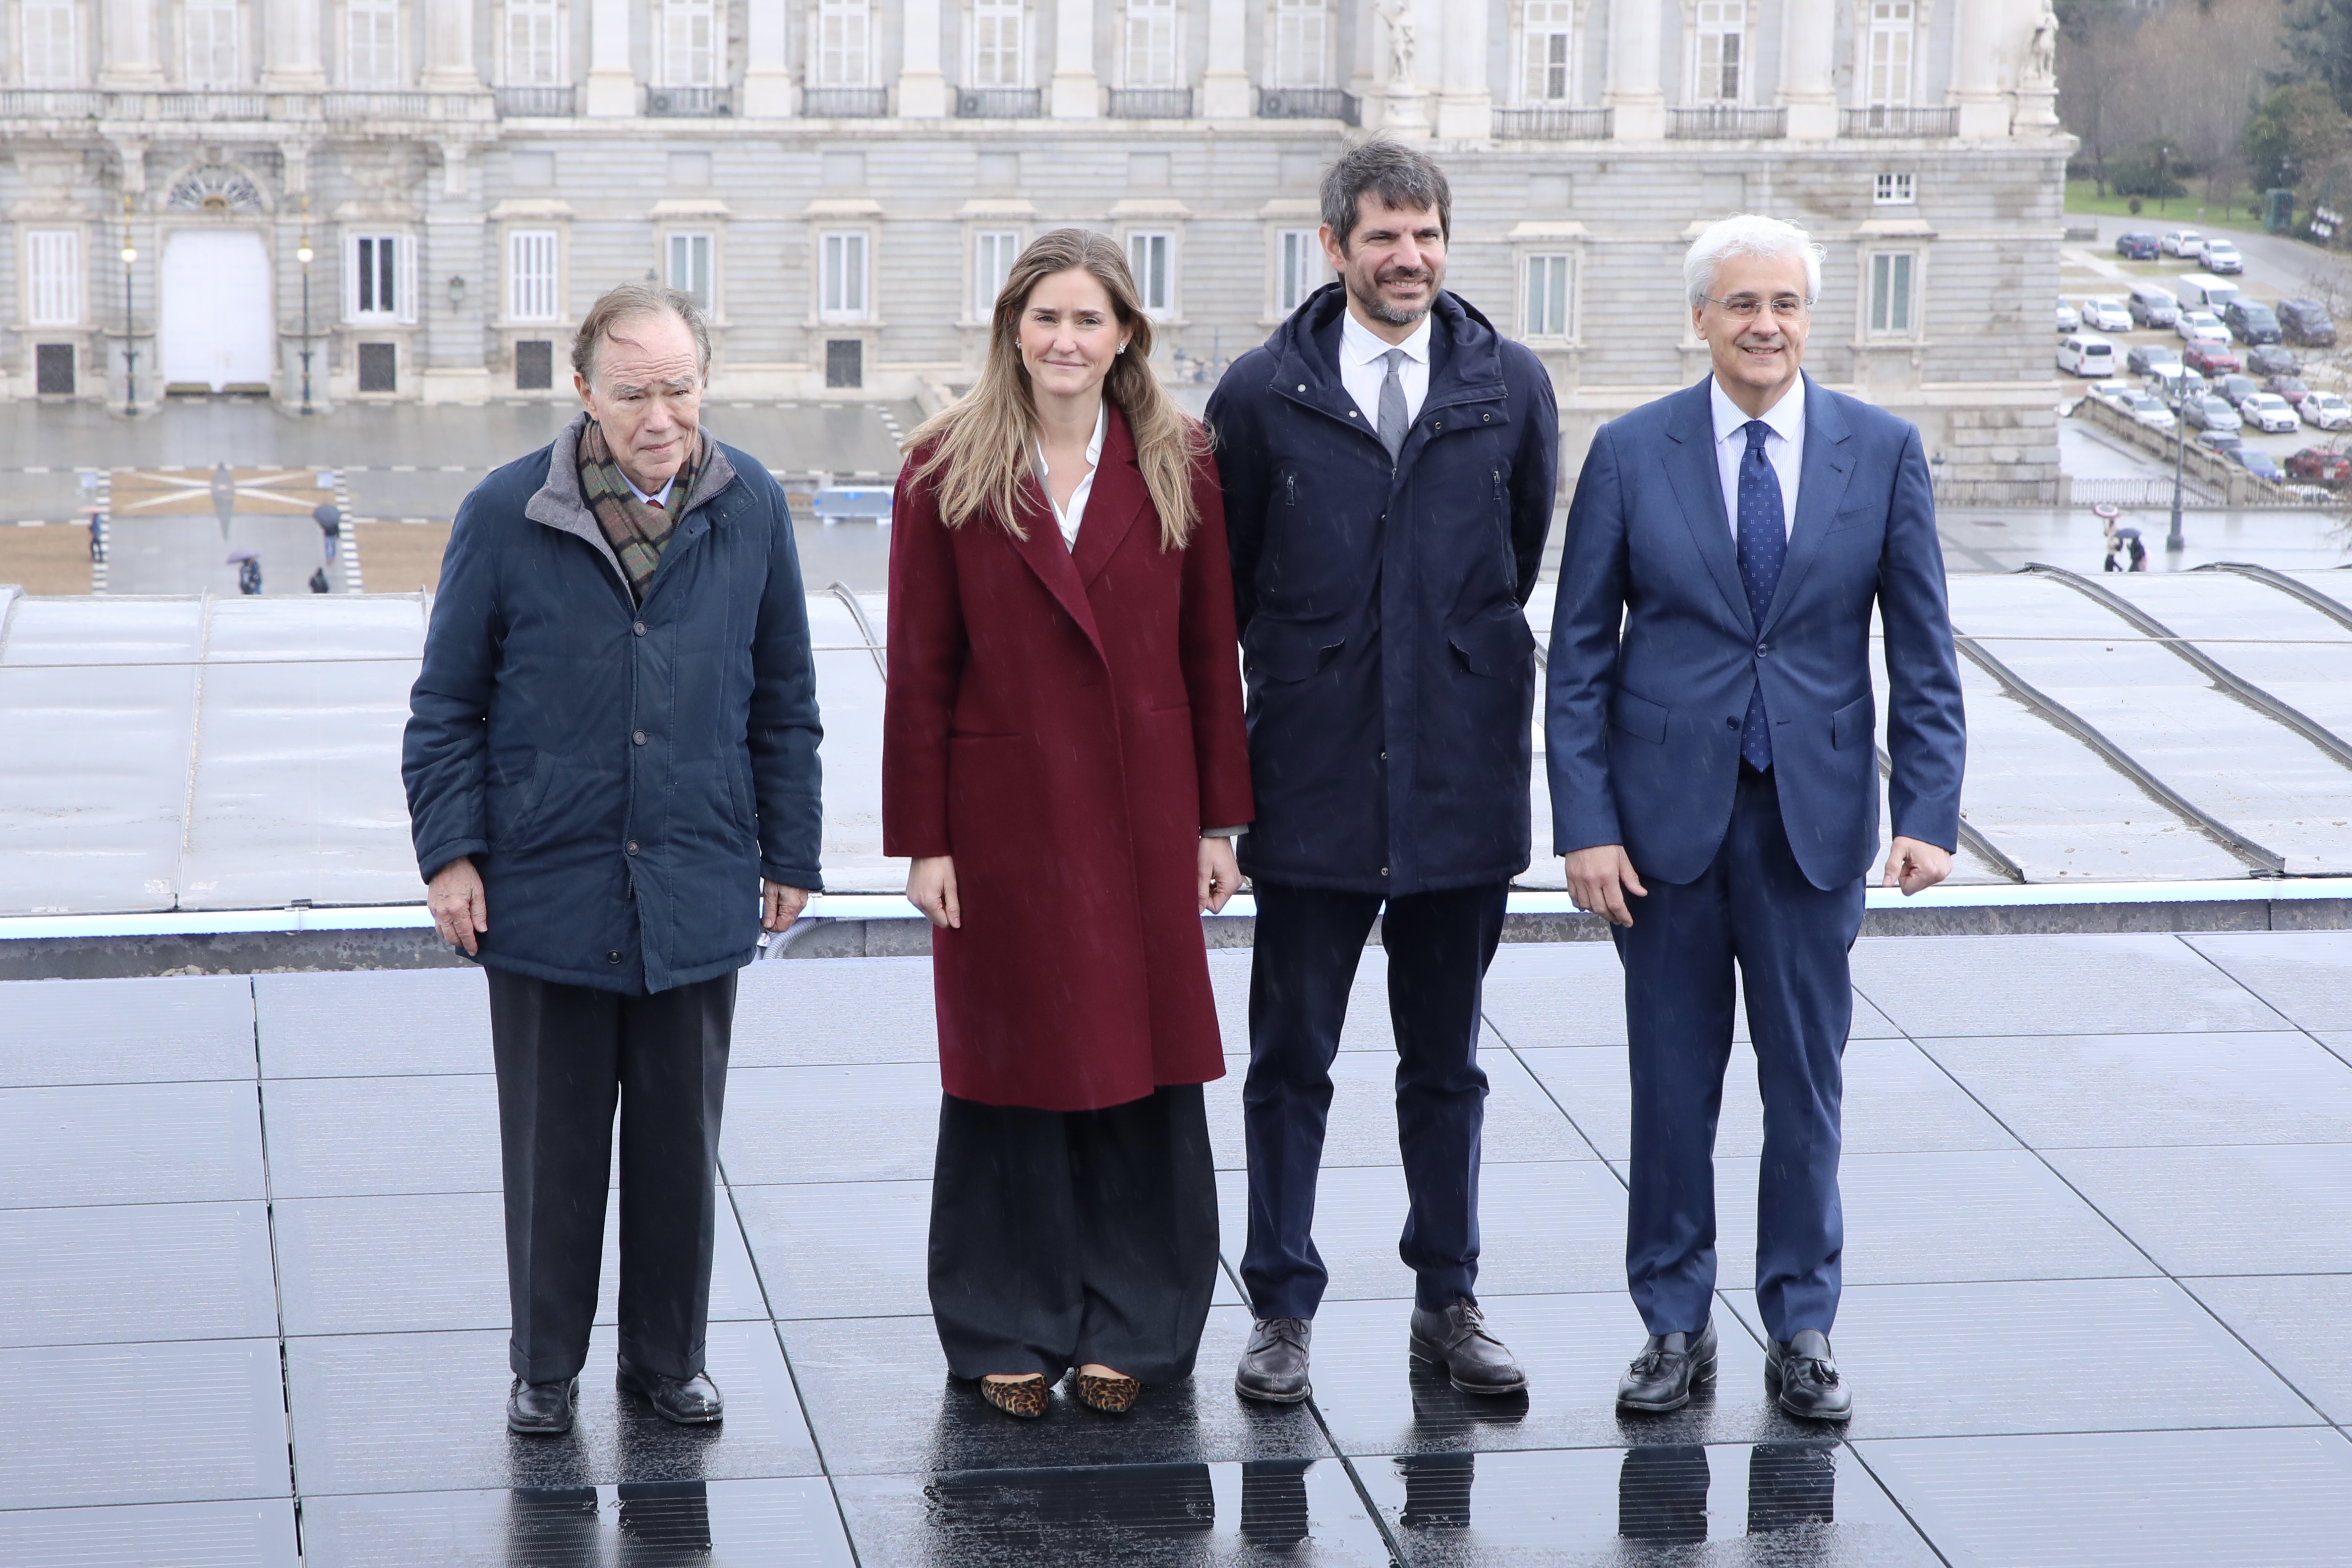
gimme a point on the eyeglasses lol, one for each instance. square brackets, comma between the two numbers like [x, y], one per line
[1746, 306]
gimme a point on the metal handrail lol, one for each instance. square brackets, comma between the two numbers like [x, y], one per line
[2287, 585]
[2229, 681]
[2264, 861]
[875, 646]
[1984, 847]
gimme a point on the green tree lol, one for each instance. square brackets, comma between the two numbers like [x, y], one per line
[2319, 37]
[2299, 131]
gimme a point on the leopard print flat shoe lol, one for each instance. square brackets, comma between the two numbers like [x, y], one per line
[1024, 1396]
[1112, 1395]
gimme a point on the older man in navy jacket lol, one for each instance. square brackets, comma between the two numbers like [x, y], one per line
[1711, 739]
[1388, 463]
[613, 782]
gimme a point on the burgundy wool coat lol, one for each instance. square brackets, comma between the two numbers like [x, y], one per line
[1064, 722]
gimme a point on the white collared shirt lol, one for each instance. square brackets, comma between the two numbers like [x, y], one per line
[1362, 369]
[1784, 448]
[1071, 516]
[659, 499]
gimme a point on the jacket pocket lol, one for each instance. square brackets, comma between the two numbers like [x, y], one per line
[514, 810]
[1639, 718]
[1856, 724]
[1286, 651]
[1494, 645]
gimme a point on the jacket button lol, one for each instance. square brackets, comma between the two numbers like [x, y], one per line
[1763, 650]
[1384, 870]
[611, 958]
[633, 846]
[1485, 418]
[1384, 757]
[1434, 427]
[1731, 724]
[636, 738]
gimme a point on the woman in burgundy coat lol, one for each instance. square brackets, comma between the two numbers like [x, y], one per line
[1063, 761]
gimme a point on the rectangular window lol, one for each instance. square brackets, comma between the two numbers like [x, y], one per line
[535, 43]
[1151, 44]
[531, 286]
[372, 43]
[1547, 311]
[689, 266]
[841, 277]
[1298, 269]
[1887, 68]
[1147, 257]
[1890, 291]
[53, 277]
[1722, 50]
[993, 252]
[690, 43]
[1548, 46]
[49, 57]
[1894, 191]
[379, 277]
[996, 43]
[844, 40]
[1301, 28]
[209, 43]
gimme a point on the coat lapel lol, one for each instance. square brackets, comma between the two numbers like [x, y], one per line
[1041, 546]
[1821, 485]
[1119, 496]
[1697, 484]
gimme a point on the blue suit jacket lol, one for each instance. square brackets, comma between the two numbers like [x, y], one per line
[1654, 650]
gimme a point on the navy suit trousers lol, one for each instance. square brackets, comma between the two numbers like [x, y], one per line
[1752, 907]
[1308, 943]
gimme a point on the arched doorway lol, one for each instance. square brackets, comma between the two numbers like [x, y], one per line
[215, 325]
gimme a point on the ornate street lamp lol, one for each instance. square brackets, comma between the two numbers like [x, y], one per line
[303, 255]
[130, 343]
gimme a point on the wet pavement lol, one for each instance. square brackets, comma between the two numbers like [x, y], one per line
[2099, 1194]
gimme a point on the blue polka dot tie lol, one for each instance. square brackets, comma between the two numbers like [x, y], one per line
[1763, 546]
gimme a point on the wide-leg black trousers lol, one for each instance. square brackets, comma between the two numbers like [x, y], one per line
[566, 1055]
[1064, 1238]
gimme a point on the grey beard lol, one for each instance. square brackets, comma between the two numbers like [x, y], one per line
[1379, 309]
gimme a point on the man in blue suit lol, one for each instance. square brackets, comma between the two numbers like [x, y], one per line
[1711, 740]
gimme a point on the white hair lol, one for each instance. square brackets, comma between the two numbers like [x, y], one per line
[1748, 234]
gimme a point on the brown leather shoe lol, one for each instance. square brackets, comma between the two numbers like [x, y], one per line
[1024, 1396]
[1111, 1396]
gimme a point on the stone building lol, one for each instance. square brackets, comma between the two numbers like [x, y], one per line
[420, 196]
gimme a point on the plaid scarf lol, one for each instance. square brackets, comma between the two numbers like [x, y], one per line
[636, 529]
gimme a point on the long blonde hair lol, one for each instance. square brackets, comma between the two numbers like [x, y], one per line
[980, 444]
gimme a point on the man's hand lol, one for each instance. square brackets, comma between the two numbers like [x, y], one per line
[1220, 875]
[779, 906]
[460, 912]
[1599, 878]
[1915, 867]
[931, 888]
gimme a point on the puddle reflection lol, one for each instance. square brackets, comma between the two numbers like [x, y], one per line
[1274, 1501]
[1661, 1491]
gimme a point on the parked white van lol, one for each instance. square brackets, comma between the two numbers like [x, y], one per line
[2203, 291]
[2087, 356]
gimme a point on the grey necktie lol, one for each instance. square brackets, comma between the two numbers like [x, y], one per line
[1392, 420]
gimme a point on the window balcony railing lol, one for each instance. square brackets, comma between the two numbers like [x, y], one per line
[846, 102]
[1724, 122]
[205, 105]
[1309, 103]
[1899, 120]
[1547, 124]
[51, 103]
[1151, 103]
[537, 103]
[689, 102]
[377, 104]
[1000, 102]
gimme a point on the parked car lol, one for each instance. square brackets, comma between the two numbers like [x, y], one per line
[2148, 410]
[2220, 256]
[2212, 412]
[2173, 383]
[2237, 387]
[2326, 410]
[2106, 313]
[2270, 412]
[2288, 387]
[2069, 319]
[2137, 245]
[2180, 242]
[2321, 465]
[2190, 325]
[2250, 322]
[2221, 441]
[2203, 291]
[2270, 360]
[2145, 358]
[2087, 356]
[2153, 305]
[2305, 321]
[2210, 358]
[2257, 461]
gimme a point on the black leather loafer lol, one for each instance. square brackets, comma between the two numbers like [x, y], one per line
[542, 1409]
[1274, 1367]
[689, 1402]
[1662, 1377]
[1802, 1379]
[1457, 1339]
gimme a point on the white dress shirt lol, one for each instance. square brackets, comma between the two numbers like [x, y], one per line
[1784, 448]
[660, 499]
[1362, 369]
[1071, 516]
